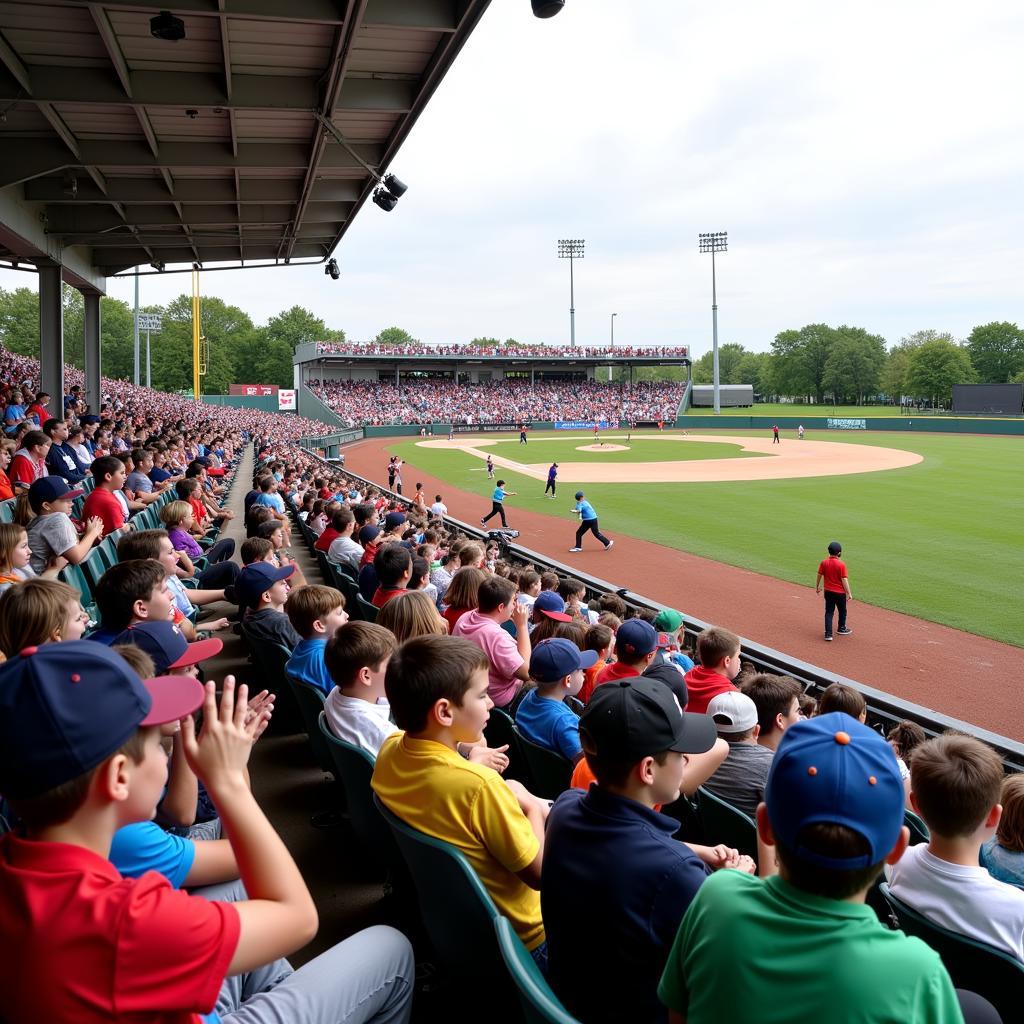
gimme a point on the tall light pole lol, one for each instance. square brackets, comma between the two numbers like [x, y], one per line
[712, 242]
[614, 315]
[571, 249]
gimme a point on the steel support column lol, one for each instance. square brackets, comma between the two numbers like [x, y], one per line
[93, 391]
[51, 335]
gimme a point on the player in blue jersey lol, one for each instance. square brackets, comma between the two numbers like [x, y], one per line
[588, 523]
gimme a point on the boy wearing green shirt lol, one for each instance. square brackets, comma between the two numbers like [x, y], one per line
[802, 946]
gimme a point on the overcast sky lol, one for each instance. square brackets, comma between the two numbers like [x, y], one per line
[866, 161]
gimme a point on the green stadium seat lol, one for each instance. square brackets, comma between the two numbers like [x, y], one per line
[724, 823]
[972, 965]
[7, 511]
[268, 662]
[458, 914]
[918, 829]
[539, 1004]
[367, 609]
[499, 732]
[310, 700]
[550, 772]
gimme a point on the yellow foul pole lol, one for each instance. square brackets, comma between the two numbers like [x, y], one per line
[195, 333]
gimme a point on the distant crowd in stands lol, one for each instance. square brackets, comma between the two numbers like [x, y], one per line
[349, 348]
[510, 400]
[163, 899]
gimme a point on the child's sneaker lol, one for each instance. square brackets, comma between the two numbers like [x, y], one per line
[844, 631]
[571, 550]
[828, 636]
[609, 545]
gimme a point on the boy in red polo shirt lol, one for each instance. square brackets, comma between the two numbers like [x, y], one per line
[80, 757]
[636, 644]
[718, 651]
[832, 573]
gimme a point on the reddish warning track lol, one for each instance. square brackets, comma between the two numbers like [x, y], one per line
[959, 674]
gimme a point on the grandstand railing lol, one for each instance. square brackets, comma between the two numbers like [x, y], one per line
[330, 443]
[884, 709]
[315, 408]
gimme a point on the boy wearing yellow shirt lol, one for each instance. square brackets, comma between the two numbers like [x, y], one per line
[437, 688]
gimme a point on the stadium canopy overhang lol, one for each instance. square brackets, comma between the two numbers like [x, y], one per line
[121, 150]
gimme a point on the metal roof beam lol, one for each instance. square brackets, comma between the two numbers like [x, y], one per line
[325, 12]
[181, 89]
[194, 191]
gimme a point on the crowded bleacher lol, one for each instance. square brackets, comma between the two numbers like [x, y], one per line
[574, 805]
[369, 348]
[512, 399]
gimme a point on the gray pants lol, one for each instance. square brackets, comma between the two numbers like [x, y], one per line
[368, 977]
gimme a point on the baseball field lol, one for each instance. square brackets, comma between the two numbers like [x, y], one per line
[931, 525]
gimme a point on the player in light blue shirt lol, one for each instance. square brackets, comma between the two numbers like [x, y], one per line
[588, 523]
[498, 504]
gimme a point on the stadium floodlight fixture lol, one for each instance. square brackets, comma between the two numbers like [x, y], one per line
[167, 27]
[389, 188]
[547, 8]
[571, 249]
[332, 269]
[712, 242]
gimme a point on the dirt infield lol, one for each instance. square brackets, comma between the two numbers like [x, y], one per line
[787, 461]
[957, 673]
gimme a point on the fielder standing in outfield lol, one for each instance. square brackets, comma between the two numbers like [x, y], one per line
[498, 504]
[490, 467]
[552, 478]
[832, 572]
[588, 522]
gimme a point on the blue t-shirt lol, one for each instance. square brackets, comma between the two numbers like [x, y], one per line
[586, 510]
[145, 846]
[307, 663]
[613, 871]
[549, 723]
[499, 494]
[13, 412]
[271, 500]
[1003, 864]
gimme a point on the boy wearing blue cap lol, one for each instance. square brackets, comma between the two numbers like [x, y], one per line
[80, 756]
[543, 717]
[802, 946]
[263, 590]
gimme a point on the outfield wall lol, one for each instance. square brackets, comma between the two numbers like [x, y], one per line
[905, 424]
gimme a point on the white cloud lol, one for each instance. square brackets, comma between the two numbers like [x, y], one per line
[866, 162]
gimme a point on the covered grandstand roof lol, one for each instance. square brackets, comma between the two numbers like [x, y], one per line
[134, 150]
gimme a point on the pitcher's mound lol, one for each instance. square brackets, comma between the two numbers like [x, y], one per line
[602, 448]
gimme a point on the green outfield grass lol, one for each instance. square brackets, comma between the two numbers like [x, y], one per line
[543, 450]
[941, 540]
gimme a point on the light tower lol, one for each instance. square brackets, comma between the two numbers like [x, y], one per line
[571, 249]
[712, 242]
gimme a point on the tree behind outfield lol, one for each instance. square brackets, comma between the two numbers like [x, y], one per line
[854, 364]
[934, 367]
[997, 351]
[799, 361]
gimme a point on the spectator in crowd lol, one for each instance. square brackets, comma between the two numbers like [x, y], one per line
[543, 717]
[718, 652]
[636, 742]
[343, 549]
[62, 459]
[841, 697]
[105, 500]
[1003, 854]
[412, 614]
[393, 566]
[955, 785]
[508, 659]
[262, 591]
[599, 639]
[636, 644]
[316, 613]
[438, 690]
[904, 738]
[796, 946]
[129, 592]
[741, 778]
[777, 699]
[29, 462]
[462, 595]
[15, 556]
[37, 612]
[51, 533]
[173, 956]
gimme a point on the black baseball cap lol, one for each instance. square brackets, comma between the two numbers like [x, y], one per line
[635, 718]
[835, 548]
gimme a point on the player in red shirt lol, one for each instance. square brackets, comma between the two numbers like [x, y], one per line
[832, 573]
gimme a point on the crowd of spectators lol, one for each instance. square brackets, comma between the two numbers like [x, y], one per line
[349, 348]
[509, 400]
[163, 892]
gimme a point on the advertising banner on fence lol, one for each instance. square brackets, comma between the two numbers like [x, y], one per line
[286, 400]
[487, 428]
[581, 424]
[251, 390]
[846, 424]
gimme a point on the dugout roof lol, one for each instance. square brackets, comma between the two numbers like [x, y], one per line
[118, 149]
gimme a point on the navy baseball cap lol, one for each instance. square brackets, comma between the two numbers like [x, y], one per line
[835, 548]
[368, 534]
[552, 605]
[257, 579]
[66, 707]
[167, 646]
[639, 717]
[50, 488]
[635, 638]
[579, 494]
[834, 769]
[393, 519]
[556, 658]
